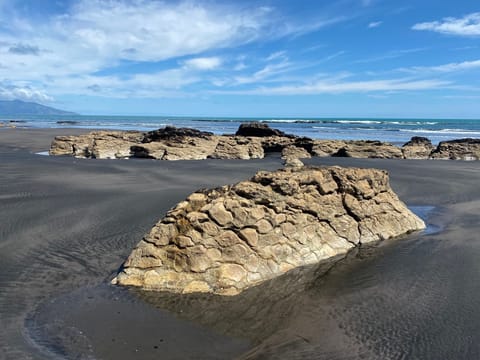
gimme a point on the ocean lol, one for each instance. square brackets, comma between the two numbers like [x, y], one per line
[396, 131]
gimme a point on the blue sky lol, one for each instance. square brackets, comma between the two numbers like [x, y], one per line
[346, 58]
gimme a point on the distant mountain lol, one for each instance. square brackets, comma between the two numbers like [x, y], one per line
[18, 107]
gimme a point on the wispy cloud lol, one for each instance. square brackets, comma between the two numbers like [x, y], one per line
[203, 63]
[374, 24]
[329, 86]
[267, 71]
[66, 52]
[469, 25]
[276, 55]
[445, 68]
[390, 55]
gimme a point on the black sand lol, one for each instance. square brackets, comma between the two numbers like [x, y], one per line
[67, 224]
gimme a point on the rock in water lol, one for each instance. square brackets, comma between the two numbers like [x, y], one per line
[227, 239]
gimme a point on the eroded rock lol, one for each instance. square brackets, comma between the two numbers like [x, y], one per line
[238, 147]
[227, 239]
[417, 148]
[369, 149]
[258, 129]
[97, 144]
[252, 141]
[461, 149]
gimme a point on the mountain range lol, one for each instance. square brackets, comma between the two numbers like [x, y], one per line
[18, 107]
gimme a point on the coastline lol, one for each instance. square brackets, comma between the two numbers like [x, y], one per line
[69, 224]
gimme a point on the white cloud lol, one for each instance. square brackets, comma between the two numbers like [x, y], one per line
[154, 31]
[276, 55]
[25, 92]
[71, 52]
[390, 55]
[469, 25]
[264, 73]
[375, 24]
[203, 63]
[328, 86]
[445, 68]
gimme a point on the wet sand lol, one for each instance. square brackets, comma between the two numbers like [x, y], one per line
[67, 224]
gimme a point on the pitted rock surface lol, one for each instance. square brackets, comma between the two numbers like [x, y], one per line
[227, 239]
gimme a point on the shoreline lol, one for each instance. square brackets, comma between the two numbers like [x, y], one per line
[395, 131]
[70, 223]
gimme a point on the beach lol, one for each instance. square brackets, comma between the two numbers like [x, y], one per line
[68, 224]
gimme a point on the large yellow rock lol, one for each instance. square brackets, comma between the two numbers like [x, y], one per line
[228, 239]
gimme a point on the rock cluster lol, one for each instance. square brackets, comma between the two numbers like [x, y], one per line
[227, 239]
[252, 141]
[462, 149]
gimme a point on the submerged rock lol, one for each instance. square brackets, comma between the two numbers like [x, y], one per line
[227, 239]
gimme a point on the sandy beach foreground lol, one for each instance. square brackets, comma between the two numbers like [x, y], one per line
[67, 224]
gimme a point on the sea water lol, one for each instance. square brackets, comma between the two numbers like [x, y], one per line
[397, 131]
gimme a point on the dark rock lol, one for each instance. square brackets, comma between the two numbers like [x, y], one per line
[258, 129]
[418, 140]
[173, 133]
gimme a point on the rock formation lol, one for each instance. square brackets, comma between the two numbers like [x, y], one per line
[252, 141]
[369, 149]
[296, 152]
[258, 129]
[227, 239]
[238, 147]
[417, 148]
[461, 149]
[97, 144]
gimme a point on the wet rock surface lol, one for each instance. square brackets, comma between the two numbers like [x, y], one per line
[228, 239]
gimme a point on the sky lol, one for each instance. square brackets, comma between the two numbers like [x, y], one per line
[345, 58]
